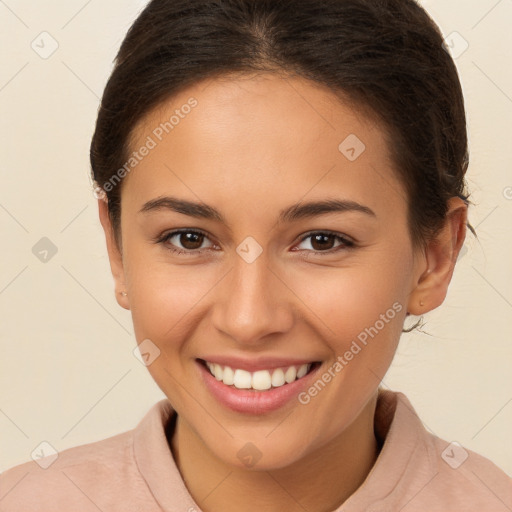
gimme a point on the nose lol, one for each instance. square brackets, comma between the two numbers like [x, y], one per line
[252, 302]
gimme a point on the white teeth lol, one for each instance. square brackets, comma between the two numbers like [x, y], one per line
[290, 375]
[278, 378]
[259, 380]
[242, 379]
[217, 371]
[228, 377]
[302, 371]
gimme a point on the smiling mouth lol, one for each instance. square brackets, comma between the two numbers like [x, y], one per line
[260, 380]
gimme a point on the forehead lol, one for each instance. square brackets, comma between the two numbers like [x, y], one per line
[263, 137]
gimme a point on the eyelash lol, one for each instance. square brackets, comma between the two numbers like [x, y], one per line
[345, 242]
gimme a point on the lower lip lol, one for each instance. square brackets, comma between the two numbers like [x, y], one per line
[252, 401]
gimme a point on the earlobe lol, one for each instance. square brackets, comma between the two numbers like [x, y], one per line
[114, 255]
[441, 254]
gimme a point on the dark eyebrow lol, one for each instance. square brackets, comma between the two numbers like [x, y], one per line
[289, 214]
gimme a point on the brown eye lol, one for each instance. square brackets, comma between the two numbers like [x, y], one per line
[190, 240]
[185, 241]
[323, 242]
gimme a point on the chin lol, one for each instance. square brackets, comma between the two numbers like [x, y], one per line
[262, 454]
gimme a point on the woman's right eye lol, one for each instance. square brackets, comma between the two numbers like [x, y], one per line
[190, 240]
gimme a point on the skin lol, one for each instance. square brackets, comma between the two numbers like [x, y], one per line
[254, 145]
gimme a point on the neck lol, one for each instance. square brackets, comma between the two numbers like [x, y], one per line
[319, 482]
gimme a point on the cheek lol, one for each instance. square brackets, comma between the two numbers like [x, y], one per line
[164, 298]
[166, 307]
[348, 299]
[359, 310]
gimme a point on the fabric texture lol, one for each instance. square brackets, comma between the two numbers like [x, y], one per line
[135, 472]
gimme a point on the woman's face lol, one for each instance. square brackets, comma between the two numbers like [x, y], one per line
[261, 290]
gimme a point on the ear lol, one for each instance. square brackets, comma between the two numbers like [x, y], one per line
[114, 255]
[441, 256]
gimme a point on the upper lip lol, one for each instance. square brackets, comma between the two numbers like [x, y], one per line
[255, 364]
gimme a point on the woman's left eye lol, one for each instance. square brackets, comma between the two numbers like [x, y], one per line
[192, 240]
[324, 240]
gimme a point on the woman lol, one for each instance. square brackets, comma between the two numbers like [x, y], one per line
[280, 184]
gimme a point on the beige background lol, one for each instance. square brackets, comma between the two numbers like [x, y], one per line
[67, 372]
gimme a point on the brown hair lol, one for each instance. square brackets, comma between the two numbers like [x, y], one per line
[385, 56]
